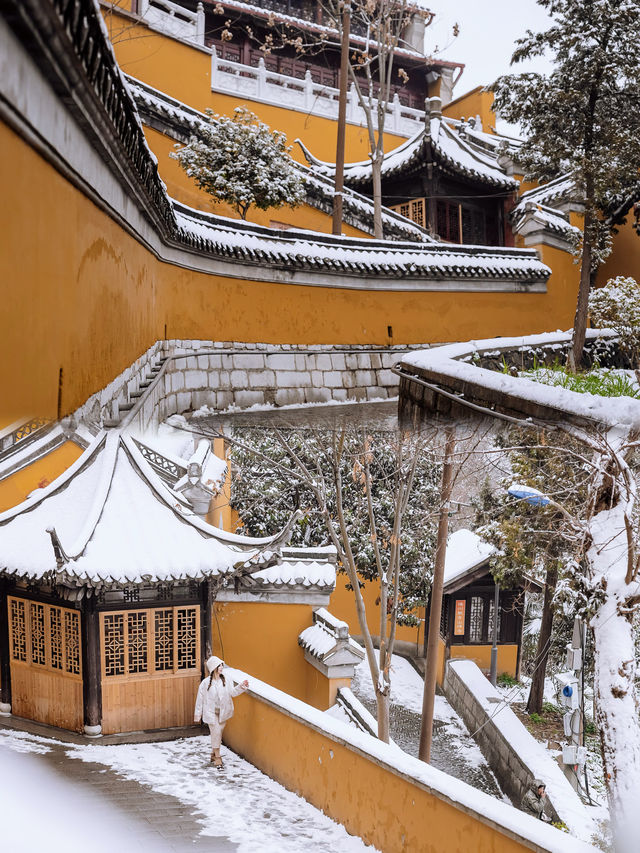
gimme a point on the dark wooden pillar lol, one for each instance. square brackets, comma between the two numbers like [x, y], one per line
[5, 661]
[91, 679]
[205, 623]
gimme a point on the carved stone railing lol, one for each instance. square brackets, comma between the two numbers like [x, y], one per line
[174, 20]
[167, 469]
[21, 433]
[259, 84]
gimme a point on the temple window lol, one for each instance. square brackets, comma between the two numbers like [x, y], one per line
[158, 641]
[45, 635]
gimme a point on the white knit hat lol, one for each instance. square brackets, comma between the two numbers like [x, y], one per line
[213, 663]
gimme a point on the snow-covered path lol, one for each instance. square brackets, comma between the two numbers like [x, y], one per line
[240, 803]
[453, 750]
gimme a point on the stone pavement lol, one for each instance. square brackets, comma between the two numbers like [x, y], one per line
[150, 821]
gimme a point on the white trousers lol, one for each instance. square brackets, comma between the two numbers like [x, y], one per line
[216, 734]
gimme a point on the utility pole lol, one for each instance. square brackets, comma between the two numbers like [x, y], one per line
[431, 659]
[493, 672]
[342, 118]
[574, 754]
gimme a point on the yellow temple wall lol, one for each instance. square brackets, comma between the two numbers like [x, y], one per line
[471, 104]
[339, 776]
[183, 71]
[16, 487]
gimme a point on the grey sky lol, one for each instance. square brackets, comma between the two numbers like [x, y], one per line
[488, 30]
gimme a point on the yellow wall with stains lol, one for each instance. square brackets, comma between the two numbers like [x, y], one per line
[92, 299]
[16, 487]
[339, 779]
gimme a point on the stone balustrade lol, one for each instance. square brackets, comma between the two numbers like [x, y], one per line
[174, 20]
[259, 84]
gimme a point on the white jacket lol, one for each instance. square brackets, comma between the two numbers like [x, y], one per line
[219, 694]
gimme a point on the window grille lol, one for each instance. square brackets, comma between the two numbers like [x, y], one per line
[18, 622]
[492, 608]
[415, 209]
[157, 641]
[45, 636]
[476, 613]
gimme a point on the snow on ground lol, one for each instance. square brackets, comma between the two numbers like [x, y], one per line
[239, 802]
[406, 691]
[39, 806]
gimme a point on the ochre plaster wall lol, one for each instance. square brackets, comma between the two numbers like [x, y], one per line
[184, 73]
[343, 606]
[481, 655]
[262, 638]
[89, 298]
[339, 779]
[625, 255]
[15, 488]
[471, 104]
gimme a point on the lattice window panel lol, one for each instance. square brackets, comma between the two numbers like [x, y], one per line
[415, 209]
[476, 615]
[113, 644]
[492, 608]
[18, 629]
[156, 641]
[45, 636]
[164, 640]
[37, 624]
[187, 637]
[57, 640]
[72, 642]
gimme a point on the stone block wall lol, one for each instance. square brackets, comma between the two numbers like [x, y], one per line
[184, 375]
[513, 774]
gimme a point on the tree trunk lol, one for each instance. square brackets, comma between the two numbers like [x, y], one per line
[615, 673]
[376, 176]
[382, 700]
[582, 308]
[435, 608]
[536, 693]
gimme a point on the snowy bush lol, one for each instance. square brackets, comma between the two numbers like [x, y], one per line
[241, 161]
[617, 306]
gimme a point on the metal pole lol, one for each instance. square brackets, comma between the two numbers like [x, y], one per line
[342, 119]
[493, 674]
[431, 661]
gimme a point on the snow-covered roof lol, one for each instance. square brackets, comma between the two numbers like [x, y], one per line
[354, 256]
[110, 520]
[301, 568]
[466, 551]
[449, 149]
[553, 192]
[327, 641]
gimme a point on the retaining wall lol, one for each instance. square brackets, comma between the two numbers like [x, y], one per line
[388, 798]
[179, 376]
[513, 754]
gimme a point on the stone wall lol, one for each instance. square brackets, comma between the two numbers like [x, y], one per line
[184, 375]
[513, 754]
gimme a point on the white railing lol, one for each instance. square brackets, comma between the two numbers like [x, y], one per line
[258, 84]
[174, 20]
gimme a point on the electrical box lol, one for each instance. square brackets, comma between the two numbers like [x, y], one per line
[566, 722]
[568, 690]
[572, 754]
[574, 657]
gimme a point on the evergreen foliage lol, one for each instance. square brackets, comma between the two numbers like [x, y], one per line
[583, 117]
[617, 306]
[264, 496]
[241, 161]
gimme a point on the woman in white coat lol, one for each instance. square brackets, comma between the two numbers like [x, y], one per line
[214, 704]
